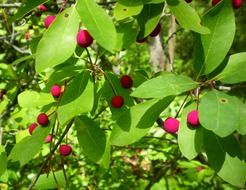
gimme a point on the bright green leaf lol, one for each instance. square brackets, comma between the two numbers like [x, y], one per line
[30, 99]
[135, 122]
[3, 160]
[224, 156]
[28, 147]
[189, 139]
[223, 115]
[211, 49]
[98, 22]
[164, 85]
[242, 114]
[91, 138]
[78, 98]
[186, 16]
[48, 182]
[235, 70]
[59, 41]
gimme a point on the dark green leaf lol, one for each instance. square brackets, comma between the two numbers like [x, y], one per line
[164, 85]
[3, 160]
[98, 22]
[235, 70]
[59, 41]
[225, 157]
[78, 98]
[135, 122]
[211, 49]
[186, 16]
[223, 115]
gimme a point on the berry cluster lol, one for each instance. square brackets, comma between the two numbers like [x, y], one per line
[171, 125]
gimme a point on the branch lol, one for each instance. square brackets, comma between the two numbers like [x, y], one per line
[16, 48]
[51, 153]
[14, 5]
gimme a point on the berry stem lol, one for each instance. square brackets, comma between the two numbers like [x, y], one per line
[110, 82]
[182, 105]
[51, 153]
[63, 169]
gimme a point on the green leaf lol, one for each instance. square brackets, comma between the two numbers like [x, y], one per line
[59, 41]
[189, 139]
[3, 160]
[28, 147]
[91, 138]
[235, 70]
[7, 72]
[153, 1]
[26, 7]
[126, 35]
[149, 18]
[224, 156]
[30, 99]
[48, 181]
[223, 115]
[212, 48]
[135, 122]
[186, 16]
[124, 9]
[98, 22]
[164, 85]
[78, 98]
[242, 114]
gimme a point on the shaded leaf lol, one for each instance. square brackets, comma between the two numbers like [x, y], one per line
[3, 160]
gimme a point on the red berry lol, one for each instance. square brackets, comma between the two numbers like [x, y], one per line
[84, 39]
[48, 20]
[141, 40]
[126, 81]
[156, 31]
[27, 35]
[237, 4]
[65, 150]
[2, 93]
[199, 168]
[48, 138]
[188, 1]
[192, 118]
[171, 125]
[55, 91]
[42, 8]
[32, 127]
[215, 2]
[117, 101]
[43, 119]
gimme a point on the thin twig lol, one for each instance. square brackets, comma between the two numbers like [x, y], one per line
[13, 5]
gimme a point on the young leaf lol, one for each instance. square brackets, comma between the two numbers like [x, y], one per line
[31, 99]
[59, 41]
[224, 156]
[98, 22]
[48, 181]
[166, 84]
[235, 70]
[124, 9]
[223, 115]
[186, 16]
[211, 48]
[77, 99]
[26, 7]
[91, 138]
[28, 147]
[149, 18]
[135, 122]
[189, 139]
[3, 160]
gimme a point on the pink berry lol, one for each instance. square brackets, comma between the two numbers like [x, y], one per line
[171, 125]
[55, 91]
[43, 119]
[117, 101]
[192, 118]
[126, 81]
[48, 20]
[42, 8]
[48, 138]
[32, 127]
[199, 168]
[65, 150]
[237, 4]
[84, 39]
[156, 31]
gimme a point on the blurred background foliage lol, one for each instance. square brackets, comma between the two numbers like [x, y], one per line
[154, 162]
